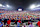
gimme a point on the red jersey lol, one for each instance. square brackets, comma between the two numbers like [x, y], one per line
[38, 23]
[8, 22]
[19, 21]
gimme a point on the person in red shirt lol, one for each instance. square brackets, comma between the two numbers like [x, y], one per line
[19, 21]
[38, 23]
[8, 22]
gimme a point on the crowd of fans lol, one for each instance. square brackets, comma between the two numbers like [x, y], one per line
[8, 17]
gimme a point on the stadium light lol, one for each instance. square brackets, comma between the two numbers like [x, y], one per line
[3, 6]
[0, 5]
[32, 6]
[7, 5]
[38, 5]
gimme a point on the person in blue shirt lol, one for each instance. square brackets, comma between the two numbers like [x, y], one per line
[18, 24]
[17, 18]
[1, 25]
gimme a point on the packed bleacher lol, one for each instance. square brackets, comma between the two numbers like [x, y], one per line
[22, 17]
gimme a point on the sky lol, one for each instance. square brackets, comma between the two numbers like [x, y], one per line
[15, 4]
